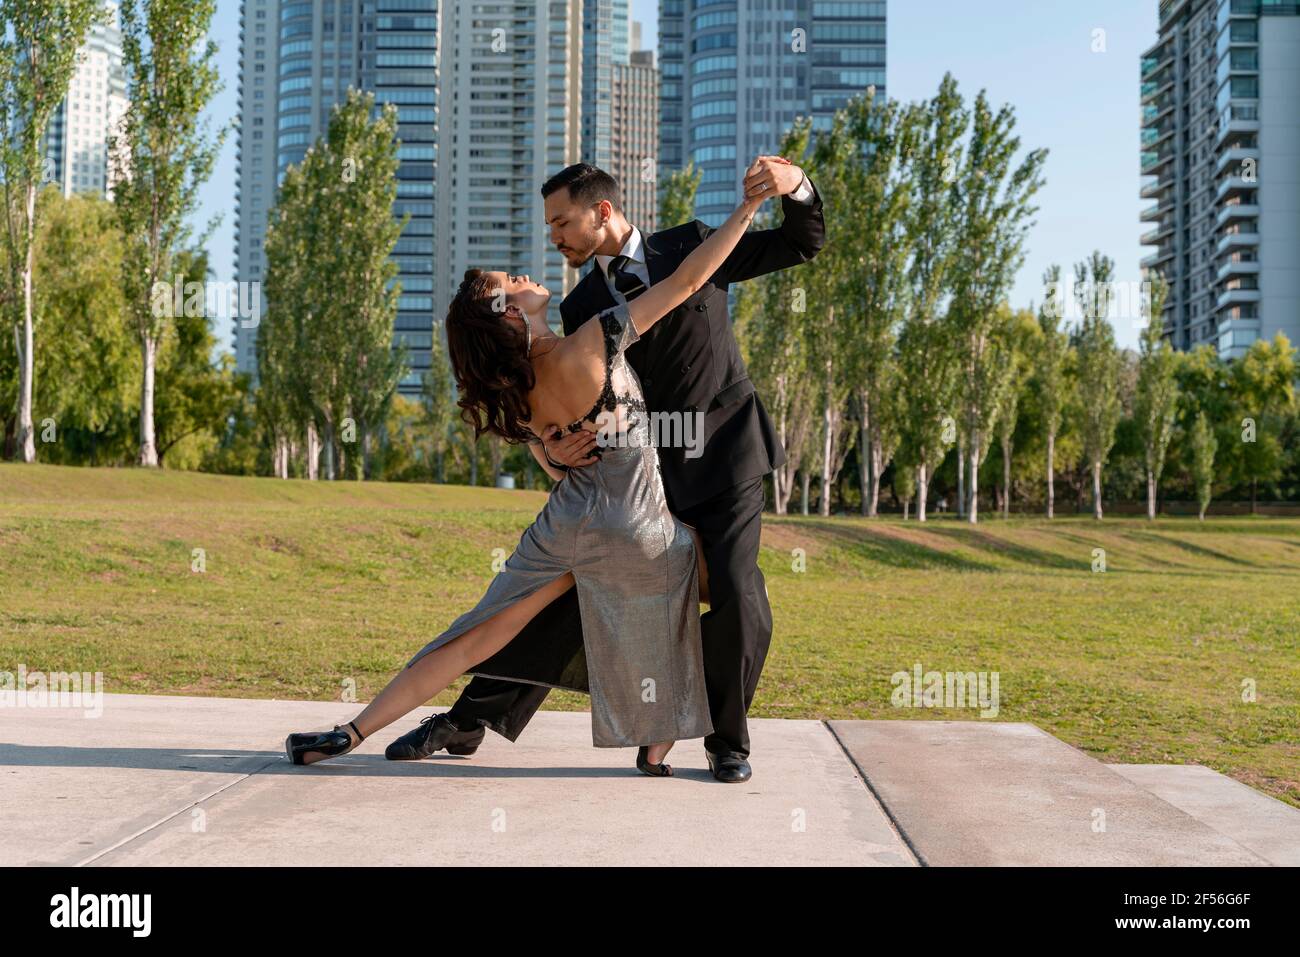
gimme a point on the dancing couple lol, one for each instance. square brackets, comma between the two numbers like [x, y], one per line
[602, 593]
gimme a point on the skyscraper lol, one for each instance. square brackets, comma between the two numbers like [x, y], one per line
[634, 134]
[510, 116]
[604, 46]
[1221, 159]
[298, 60]
[259, 51]
[76, 140]
[490, 102]
[737, 73]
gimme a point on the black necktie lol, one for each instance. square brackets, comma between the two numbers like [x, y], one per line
[625, 281]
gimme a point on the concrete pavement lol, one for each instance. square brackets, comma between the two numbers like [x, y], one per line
[163, 780]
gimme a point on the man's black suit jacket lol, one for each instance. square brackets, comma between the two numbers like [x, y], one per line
[689, 360]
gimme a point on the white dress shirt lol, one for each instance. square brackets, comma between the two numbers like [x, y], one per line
[634, 248]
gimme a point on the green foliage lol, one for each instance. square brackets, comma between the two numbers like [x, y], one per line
[38, 55]
[87, 371]
[1203, 447]
[88, 365]
[1157, 392]
[161, 158]
[1098, 364]
[325, 349]
[677, 197]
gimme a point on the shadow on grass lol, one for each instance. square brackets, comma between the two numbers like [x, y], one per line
[1090, 544]
[982, 541]
[1198, 550]
[898, 552]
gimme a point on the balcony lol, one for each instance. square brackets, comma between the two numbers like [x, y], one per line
[1236, 211]
[1153, 213]
[1163, 254]
[1156, 188]
[1237, 156]
[1237, 267]
[1153, 112]
[1236, 297]
[1236, 241]
[1153, 88]
[1236, 335]
[1154, 236]
[1234, 128]
[1168, 8]
[1152, 62]
[1232, 185]
[1154, 135]
[1152, 161]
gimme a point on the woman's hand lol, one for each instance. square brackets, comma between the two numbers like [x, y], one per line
[769, 176]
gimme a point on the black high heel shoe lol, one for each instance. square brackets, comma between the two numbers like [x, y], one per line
[329, 743]
[654, 770]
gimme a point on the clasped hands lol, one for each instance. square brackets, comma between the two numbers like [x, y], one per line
[770, 176]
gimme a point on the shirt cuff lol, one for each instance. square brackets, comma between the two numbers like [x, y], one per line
[804, 194]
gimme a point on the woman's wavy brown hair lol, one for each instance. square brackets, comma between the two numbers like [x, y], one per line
[493, 374]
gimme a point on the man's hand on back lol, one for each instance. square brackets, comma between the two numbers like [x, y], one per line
[778, 174]
[573, 449]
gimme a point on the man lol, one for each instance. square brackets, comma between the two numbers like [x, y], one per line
[689, 365]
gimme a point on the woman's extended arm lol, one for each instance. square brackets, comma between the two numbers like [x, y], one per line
[704, 260]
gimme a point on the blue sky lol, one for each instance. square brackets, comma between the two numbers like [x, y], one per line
[1038, 55]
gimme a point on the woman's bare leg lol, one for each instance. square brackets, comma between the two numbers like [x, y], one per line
[415, 685]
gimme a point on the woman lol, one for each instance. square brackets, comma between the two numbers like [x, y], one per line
[605, 528]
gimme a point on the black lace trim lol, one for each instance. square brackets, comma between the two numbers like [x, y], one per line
[608, 400]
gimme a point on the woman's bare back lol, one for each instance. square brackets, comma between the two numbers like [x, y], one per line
[578, 380]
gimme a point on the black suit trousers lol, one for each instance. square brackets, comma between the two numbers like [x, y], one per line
[736, 630]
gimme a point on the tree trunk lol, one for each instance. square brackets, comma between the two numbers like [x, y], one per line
[807, 480]
[866, 470]
[877, 466]
[148, 446]
[905, 505]
[1151, 494]
[782, 476]
[961, 478]
[1006, 476]
[26, 355]
[1096, 489]
[921, 483]
[828, 445]
[330, 452]
[1051, 470]
[973, 510]
[313, 452]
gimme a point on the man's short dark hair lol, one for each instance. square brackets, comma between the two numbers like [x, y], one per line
[586, 184]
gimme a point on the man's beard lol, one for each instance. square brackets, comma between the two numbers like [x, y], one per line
[582, 258]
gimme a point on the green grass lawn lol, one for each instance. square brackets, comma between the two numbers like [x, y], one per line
[310, 585]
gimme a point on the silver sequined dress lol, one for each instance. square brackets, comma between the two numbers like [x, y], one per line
[634, 565]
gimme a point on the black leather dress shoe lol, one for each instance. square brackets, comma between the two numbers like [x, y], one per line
[434, 733]
[729, 767]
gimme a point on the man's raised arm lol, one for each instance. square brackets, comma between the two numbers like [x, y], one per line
[800, 236]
